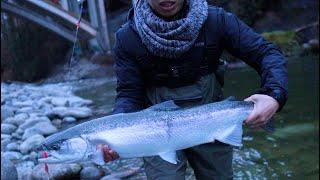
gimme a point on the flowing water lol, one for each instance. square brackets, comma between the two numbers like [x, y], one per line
[292, 152]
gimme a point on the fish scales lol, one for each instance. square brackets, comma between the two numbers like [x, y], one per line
[159, 130]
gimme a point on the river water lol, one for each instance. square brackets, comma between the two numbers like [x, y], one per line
[292, 152]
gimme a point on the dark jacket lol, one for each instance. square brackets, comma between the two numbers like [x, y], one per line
[228, 33]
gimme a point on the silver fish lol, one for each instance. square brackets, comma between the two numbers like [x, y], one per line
[160, 130]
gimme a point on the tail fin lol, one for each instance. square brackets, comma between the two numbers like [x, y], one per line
[232, 136]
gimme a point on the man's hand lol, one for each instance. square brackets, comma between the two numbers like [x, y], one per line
[108, 154]
[264, 108]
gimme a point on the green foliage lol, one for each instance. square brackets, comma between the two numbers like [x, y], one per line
[247, 10]
[281, 38]
[29, 52]
[285, 40]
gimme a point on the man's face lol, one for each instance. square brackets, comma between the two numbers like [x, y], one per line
[166, 8]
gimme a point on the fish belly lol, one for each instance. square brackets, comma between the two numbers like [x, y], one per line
[135, 141]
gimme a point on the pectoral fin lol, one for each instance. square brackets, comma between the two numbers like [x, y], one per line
[170, 157]
[97, 157]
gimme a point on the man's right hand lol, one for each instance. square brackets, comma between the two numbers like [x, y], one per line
[109, 154]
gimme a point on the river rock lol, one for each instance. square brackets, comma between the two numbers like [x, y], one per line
[59, 101]
[30, 143]
[17, 119]
[91, 173]
[43, 128]
[5, 136]
[12, 155]
[57, 123]
[8, 128]
[4, 143]
[25, 157]
[19, 131]
[69, 119]
[14, 146]
[8, 170]
[56, 171]
[16, 135]
[25, 110]
[33, 156]
[31, 122]
[11, 120]
[24, 170]
[77, 112]
[121, 175]
[23, 103]
[78, 102]
[6, 112]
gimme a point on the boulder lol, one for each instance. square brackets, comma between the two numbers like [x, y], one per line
[31, 157]
[6, 112]
[69, 119]
[56, 171]
[43, 128]
[78, 102]
[8, 170]
[91, 173]
[7, 128]
[31, 143]
[17, 119]
[12, 155]
[4, 143]
[16, 135]
[77, 112]
[5, 136]
[57, 123]
[59, 101]
[14, 146]
[31, 122]
[25, 110]
[23, 103]
[19, 131]
[25, 169]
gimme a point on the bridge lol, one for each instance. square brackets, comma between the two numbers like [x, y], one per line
[64, 16]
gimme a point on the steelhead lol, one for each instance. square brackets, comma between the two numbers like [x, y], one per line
[160, 130]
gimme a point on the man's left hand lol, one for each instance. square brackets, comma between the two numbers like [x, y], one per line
[264, 108]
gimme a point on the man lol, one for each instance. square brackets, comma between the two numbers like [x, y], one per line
[170, 50]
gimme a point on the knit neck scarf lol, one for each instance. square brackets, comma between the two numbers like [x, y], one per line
[169, 39]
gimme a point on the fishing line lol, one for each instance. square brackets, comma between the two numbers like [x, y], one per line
[45, 154]
[72, 59]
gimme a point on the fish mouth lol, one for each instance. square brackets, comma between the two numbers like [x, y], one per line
[55, 158]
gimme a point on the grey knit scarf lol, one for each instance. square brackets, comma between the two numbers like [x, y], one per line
[169, 39]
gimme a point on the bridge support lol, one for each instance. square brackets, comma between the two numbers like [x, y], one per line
[98, 19]
[57, 18]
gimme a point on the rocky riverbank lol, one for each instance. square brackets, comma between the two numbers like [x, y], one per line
[30, 113]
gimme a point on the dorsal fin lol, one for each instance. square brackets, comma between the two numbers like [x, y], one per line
[164, 106]
[230, 98]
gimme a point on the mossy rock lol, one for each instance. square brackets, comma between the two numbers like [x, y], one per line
[285, 40]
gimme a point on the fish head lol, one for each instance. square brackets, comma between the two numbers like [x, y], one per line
[59, 150]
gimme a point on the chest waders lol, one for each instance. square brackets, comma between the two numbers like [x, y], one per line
[195, 78]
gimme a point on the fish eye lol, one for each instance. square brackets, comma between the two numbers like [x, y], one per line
[55, 147]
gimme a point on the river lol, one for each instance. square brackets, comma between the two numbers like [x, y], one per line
[292, 152]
